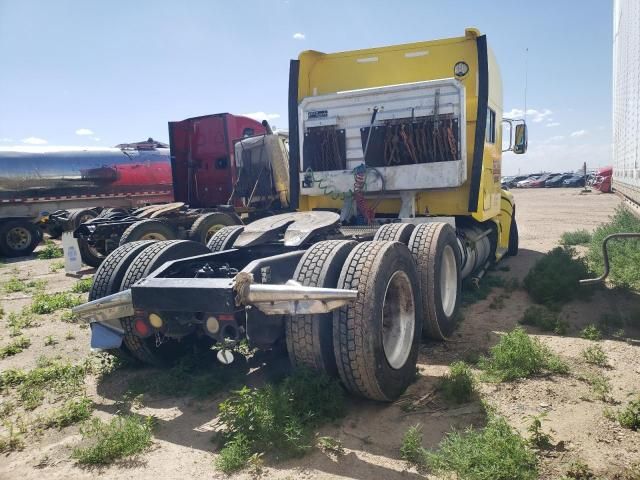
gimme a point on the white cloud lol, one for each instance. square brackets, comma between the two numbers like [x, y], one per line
[6, 139]
[259, 116]
[97, 139]
[553, 124]
[534, 115]
[34, 141]
[554, 139]
[298, 36]
[84, 132]
[579, 133]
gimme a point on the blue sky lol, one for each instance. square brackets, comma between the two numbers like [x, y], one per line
[100, 73]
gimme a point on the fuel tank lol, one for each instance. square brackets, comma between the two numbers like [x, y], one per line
[105, 172]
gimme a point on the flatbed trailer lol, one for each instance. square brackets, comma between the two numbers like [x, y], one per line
[394, 167]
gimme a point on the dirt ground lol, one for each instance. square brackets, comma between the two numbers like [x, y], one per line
[371, 432]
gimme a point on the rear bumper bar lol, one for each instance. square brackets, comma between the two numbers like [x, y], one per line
[213, 295]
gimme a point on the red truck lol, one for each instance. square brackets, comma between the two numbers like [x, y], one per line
[206, 187]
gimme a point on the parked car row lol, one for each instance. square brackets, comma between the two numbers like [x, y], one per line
[549, 180]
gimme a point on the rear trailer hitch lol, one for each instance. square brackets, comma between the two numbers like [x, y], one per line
[605, 256]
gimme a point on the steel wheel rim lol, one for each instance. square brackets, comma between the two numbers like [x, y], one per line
[212, 231]
[153, 236]
[18, 238]
[448, 281]
[398, 320]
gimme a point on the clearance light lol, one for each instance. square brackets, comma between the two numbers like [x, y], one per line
[141, 328]
[460, 69]
[155, 320]
[213, 325]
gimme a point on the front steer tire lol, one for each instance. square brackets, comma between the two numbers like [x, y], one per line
[145, 349]
[310, 337]
[385, 276]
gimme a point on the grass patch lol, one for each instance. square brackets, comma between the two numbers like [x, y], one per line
[577, 237]
[553, 280]
[50, 341]
[14, 284]
[412, 451]
[624, 254]
[82, 286]
[595, 355]
[545, 319]
[50, 250]
[579, 470]
[277, 419]
[458, 386]
[15, 347]
[494, 452]
[50, 302]
[629, 417]
[472, 294]
[12, 441]
[49, 376]
[517, 355]
[591, 332]
[600, 386]
[56, 266]
[73, 411]
[330, 445]
[121, 437]
[20, 320]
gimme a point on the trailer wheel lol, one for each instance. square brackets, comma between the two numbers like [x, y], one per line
[395, 232]
[376, 338]
[435, 249]
[310, 337]
[223, 239]
[208, 224]
[514, 241]
[144, 349]
[18, 238]
[147, 230]
[109, 275]
[80, 216]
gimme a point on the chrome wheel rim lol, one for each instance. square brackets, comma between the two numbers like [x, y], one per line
[448, 281]
[398, 320]
[212, 231]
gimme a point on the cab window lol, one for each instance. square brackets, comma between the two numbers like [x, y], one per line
[491, 126]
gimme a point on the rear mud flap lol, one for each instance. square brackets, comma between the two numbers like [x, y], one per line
[104, 338]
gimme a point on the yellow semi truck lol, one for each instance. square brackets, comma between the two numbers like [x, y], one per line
[394, 185]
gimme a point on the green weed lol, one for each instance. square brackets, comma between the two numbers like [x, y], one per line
[494, 452]
[624, 254]
[121, 437]
[15, 347]
[20, 320]
[537, 437]
[472, 293]
[517, 355]
[14, 284]
[82, 286]
[69, 335]
[412, 451]
[50, 302]
[12, 441]
[553, 280]
[591, 332]
[579, 470]
[50, 250]
[600, 386]
[595, 355]
[458, 386]
[545, 319]
[577, 237]
[330, 445]
[50, 341]
[73, 411]
[629, 417]
[278, 418]
[55, 266]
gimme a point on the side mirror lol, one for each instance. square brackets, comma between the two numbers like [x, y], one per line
[520, 144]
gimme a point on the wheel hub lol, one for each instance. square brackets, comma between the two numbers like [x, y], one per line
[153, 236]
[398, 320]
[19, 238]
[448, 281]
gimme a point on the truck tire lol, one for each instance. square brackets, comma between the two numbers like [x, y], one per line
[514, 241]
[224, 238]
[395, 232]
[90, 255]
[147, 230]
[80, 216]
[109, 275]
[376, 338]
[208, 224]
[310, 337]
[18, 238]
[144, 349]
[434, 247]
